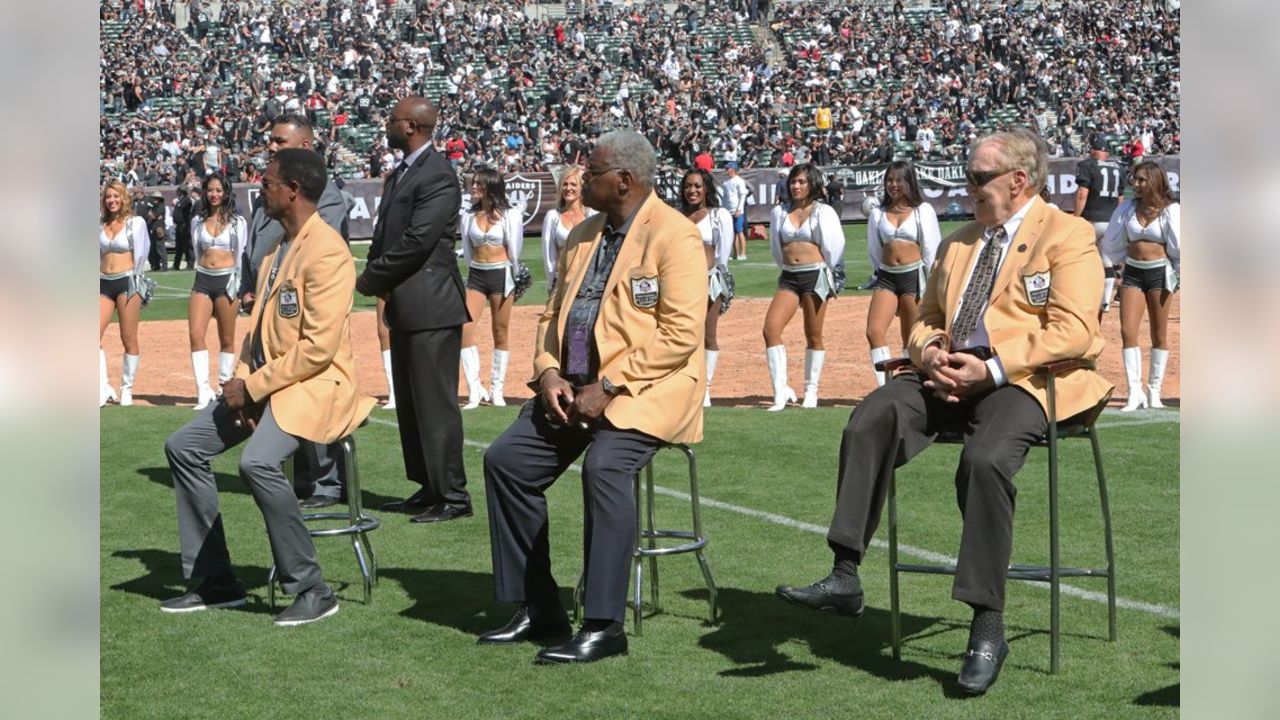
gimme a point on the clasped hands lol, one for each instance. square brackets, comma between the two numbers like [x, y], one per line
[955, 376]
[563, 405]
[236, 397]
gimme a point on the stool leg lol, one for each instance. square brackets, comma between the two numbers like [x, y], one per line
[373, 559]
[271, 587]
[364, 567]
[1106, 527]
[653, 537]
[637, 561]
[697, 531]
[1055, 597]
[895, 617]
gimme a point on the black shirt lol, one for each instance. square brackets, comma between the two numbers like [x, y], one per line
[1105, 181]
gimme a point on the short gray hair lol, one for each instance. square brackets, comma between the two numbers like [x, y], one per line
[1022, 149]
[631, 152]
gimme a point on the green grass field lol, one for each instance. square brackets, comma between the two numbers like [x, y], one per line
[756, 277]
[412, 653]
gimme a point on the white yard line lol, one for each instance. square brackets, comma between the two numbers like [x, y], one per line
[926, 555]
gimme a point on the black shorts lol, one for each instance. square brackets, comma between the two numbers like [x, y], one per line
[112, 289]
[1144, 279]
[905, 283]
[800, 283]
[487, 282]
[215, 286]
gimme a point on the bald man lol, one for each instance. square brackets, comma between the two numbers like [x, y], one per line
[412, 266]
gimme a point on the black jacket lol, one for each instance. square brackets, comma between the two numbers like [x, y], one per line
[411, 260]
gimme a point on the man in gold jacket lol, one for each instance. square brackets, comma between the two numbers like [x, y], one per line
[618, 368]
[1015, 289]
[295, 381]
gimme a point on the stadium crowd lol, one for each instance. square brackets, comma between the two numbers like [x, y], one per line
[187, 88]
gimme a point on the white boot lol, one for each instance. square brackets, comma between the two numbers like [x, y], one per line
[777, 358]
[471, 373]
[498, 376]
[391, 390]
[106, 393]
[126, 378]
[712, 357]
[226, 368]
[813, 360]
[1155, 378]
[1133, 369]
[1108, 292]
[200, 368]
[879, 354]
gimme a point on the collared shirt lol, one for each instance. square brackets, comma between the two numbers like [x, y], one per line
[979, 337]
[580, 359]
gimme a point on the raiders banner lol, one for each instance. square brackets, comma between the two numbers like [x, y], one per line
[535, 193]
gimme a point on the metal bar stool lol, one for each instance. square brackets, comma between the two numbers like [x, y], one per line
[358, 523]
[1080, 426]
[647, 537]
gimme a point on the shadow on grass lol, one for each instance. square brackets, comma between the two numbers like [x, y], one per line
[1170, 696]
[454, 598]
[163, 577]
[167, 400]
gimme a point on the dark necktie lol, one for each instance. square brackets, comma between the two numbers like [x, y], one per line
[395, 177]
[979, 290]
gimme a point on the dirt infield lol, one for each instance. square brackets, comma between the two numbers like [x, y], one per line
[742, 378]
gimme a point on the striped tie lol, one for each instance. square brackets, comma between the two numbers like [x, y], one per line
[979, 290]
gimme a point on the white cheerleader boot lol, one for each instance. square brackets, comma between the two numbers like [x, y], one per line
[200, 368]
[1133, 370]
[106, 393]
[712, 357]
[471, 372]
[226, 368]
[879, 354]
[813, 360]
[777, 358]
[391, 390]
[498, 376]
[1155, 378]
[126, 378]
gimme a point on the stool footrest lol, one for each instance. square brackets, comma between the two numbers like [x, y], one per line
[363, 524]
[697, 544]
[1034, 573]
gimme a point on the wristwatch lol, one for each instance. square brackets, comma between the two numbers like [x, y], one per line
[609, 388]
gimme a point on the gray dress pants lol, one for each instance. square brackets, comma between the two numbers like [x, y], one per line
[204, 547]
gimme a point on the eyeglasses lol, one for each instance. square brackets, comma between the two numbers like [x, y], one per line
[393, 120]
[977, 178]
[267, 184]
[588, 173]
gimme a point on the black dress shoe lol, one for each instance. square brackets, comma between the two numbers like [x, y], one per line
[413, 504]
[981, 667]
[320, 501]
[827, 595]
[521, 628]
[442, 513]
[586, 647]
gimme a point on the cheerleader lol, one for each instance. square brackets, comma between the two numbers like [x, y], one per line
[565, 216]
[700, 203]
[492, 233]
[902, 240]
[219, 234]
[384, 344]
[1144, 233]
[123, 246]
[808, 246]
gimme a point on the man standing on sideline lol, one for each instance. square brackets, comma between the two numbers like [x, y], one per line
[619, 369]
[1099, 187]
[1013, 290]
[317, 470]
[412, 266]
[182, 207]
[734, 200]
[295, 381]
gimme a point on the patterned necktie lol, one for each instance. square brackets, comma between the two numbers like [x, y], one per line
[395, 177]
[979, 290]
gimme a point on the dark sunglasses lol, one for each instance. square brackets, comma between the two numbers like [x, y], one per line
[978, 179]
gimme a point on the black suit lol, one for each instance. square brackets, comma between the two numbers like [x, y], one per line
[412, 264]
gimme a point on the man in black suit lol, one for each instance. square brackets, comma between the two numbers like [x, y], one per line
[182, 208]
[412, 265]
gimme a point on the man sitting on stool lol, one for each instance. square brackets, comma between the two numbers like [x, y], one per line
[618, 366]
[1015, 289]
[295, 381]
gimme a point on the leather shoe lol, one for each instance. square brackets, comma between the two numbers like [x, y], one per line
[822, 595]
[319, 501]
[982, 662]
[442, 513]
[521, 628]
[415, 503]
[586, 647]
